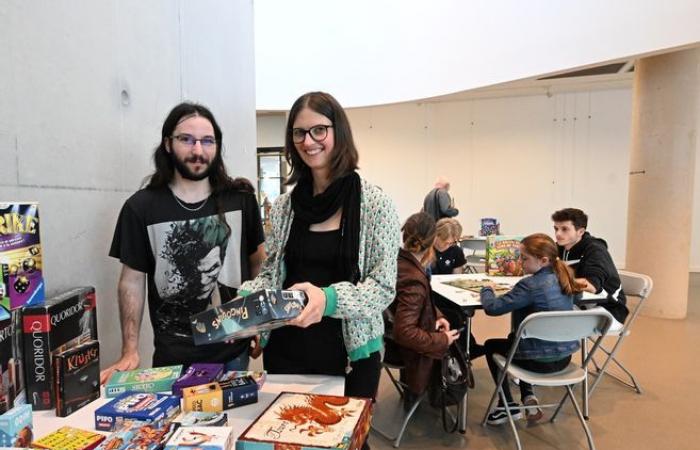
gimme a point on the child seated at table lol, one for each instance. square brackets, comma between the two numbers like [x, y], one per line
[422, 334]
[550, 288]
[449, 256]
[449, 259]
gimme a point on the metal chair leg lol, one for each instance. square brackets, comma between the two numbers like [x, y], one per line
[394, 381]
[579, 414]
[611, 358]
[510, 417]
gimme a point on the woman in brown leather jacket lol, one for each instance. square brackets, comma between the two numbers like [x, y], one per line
[422, 334]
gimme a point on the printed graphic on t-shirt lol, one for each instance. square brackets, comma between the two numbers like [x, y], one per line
[193, 258]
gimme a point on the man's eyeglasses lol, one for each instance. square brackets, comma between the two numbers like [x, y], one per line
[191, 141]
[317, 133]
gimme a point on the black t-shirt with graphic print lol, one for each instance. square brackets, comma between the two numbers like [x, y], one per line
[191, 263]
[446, 261]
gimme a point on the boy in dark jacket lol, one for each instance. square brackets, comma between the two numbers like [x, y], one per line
[590, 259]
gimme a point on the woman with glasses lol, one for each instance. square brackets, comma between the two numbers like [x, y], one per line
[336, 237]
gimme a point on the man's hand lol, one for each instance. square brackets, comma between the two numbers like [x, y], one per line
[313, 312]
[128, 361]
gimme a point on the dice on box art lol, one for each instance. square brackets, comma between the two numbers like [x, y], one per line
[21, 280]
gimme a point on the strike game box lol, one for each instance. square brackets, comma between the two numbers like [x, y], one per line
[21, 280]
[247, 316]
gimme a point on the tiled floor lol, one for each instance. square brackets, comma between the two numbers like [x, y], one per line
[664, 356]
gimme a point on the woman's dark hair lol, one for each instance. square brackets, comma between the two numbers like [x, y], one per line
[344, 157]
[541, 245]
[419, 235]
[165, 169]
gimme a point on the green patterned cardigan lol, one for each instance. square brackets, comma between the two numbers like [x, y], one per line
[361, 305]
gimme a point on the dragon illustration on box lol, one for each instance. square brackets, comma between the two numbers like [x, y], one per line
[317, 410]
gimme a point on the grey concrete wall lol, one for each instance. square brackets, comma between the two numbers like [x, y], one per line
[84, 88]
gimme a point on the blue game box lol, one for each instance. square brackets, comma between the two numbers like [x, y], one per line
[143, 406]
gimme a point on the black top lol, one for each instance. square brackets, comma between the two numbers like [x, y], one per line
[591, 260]
[187, 253]
[446, 261]
[319, 348]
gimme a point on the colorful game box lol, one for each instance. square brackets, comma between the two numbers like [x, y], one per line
[136, 435]
[156, 379]
[219, 396]
[10, 382]
[69, 438]
[309, 421]
[21, 280]
[16, 427]
[60, 323]
[196, 374]
[503, 256]
[259, 377]
[204, 438]
[489, 226]
[247, 316]
[143, 406]
[77, 377]
[202, 419]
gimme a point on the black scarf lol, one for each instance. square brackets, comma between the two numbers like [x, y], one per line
[344, 192]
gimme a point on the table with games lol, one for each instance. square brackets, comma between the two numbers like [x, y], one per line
[238, 418]
[463, 290]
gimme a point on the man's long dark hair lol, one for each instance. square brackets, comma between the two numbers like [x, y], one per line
[219, 178]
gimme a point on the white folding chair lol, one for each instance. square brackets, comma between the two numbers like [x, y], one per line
[475, 264]
[557, 326]
[634, 285]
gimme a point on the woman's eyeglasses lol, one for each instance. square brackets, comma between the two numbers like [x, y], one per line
[317, 133]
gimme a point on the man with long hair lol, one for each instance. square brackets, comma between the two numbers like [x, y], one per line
[192, 235]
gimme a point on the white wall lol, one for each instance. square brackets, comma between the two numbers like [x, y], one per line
[270, 130]
[515, 158]
[695, 238]
[85, 87]
[369, 52]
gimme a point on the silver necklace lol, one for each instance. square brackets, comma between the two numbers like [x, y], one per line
[187, 207]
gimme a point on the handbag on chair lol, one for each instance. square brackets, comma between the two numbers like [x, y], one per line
[451, 379]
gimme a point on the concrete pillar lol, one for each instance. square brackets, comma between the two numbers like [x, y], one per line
[662, 164]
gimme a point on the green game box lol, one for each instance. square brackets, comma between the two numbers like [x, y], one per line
[156, 379]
